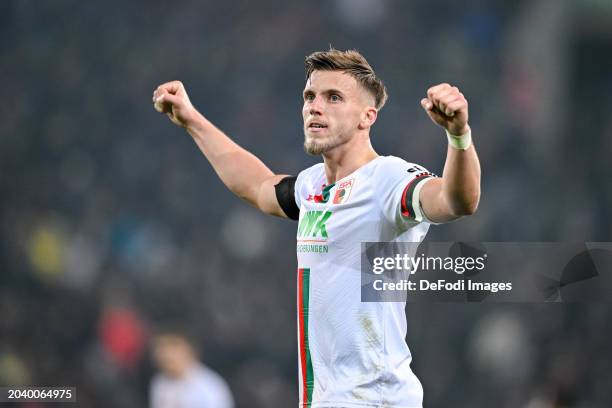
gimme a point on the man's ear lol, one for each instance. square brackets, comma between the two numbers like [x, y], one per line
[368, 117]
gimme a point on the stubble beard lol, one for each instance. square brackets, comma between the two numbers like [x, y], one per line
[316, 148]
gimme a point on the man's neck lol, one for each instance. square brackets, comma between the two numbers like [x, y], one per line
[345, 159]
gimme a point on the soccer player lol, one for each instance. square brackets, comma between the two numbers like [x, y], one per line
[351, 353]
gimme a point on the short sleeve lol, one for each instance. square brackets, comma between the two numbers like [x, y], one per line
[399, 192]
[306, 182]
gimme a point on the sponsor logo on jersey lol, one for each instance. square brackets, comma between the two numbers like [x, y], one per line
[312, 225]
[343, 191]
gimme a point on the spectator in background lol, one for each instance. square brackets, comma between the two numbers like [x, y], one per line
[183, 381]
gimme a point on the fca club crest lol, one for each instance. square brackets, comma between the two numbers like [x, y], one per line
[343, 191]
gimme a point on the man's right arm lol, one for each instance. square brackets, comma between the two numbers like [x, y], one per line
[241, 171]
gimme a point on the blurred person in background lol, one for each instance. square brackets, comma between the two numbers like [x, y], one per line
[183, 381]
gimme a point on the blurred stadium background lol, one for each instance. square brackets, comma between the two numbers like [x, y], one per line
[111, 221]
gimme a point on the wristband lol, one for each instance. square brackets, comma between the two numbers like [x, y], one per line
[459, 142]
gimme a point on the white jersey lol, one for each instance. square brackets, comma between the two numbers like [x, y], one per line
[353, 353]
[201, 387]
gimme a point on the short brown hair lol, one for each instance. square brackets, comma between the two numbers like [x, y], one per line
[354, 64]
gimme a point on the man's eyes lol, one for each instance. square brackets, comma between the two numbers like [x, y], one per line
[332, 98]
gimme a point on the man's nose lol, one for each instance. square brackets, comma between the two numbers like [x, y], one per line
[315, 107]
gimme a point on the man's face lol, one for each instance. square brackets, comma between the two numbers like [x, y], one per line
[334, 105]
[172, 355]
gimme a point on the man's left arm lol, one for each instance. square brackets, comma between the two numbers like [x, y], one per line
[457, 192]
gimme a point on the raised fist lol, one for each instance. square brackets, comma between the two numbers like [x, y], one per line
[447, 107]
[171, 98]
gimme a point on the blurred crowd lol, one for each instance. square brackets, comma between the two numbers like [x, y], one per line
[112, 223]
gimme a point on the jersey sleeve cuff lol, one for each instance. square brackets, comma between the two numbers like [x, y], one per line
[411, 204]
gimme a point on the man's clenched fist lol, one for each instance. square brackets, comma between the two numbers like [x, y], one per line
[171, 98]
[447, 107]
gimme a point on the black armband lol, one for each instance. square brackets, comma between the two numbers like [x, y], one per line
[285, 194]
